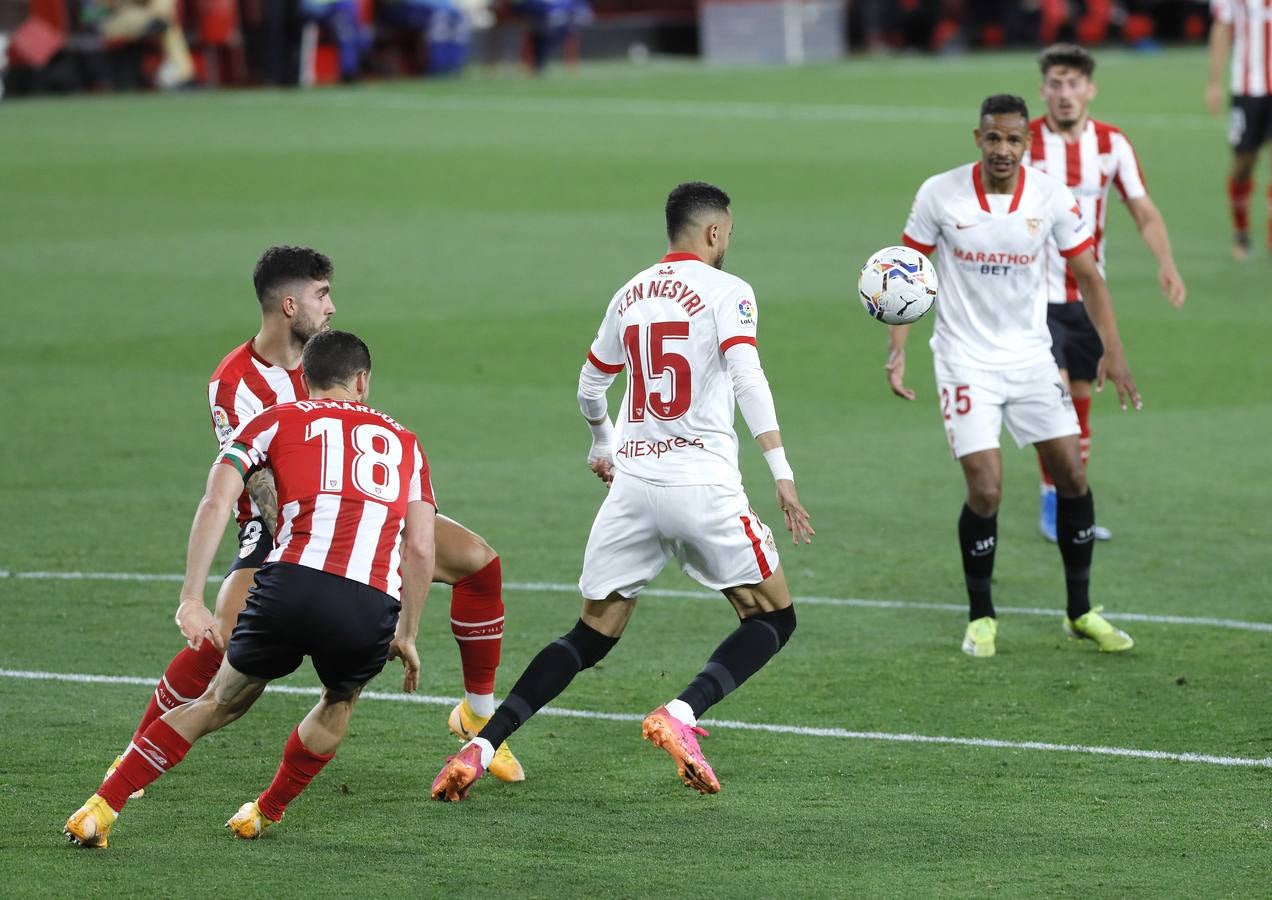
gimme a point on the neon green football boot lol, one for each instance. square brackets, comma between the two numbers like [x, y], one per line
[1093, 626]
[978, 640]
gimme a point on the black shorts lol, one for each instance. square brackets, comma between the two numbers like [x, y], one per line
[255, 543]
[294, 611]
[1249, 123]
[1075, 343]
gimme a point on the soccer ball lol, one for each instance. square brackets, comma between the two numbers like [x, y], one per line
[897, 285]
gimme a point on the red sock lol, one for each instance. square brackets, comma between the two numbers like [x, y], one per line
[185, 679]
[147, 757]
[298, 768]
[1046, 476]
[1082, 406]
[477, 620]
[1239, 203]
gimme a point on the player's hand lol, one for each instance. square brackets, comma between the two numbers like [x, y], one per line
[603, 467]
[404, 649]
[793, 512]
[1172, 285]
[198, 624]
[896, 374]
[1214, 98]
[1113, 367]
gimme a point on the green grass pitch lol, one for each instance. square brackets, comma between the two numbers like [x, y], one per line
[478, 228]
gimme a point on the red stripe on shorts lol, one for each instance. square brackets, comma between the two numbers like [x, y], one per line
[765, 571]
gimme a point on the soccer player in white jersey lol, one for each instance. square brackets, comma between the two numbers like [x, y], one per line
[344, 585]
[1090, 157]
[1242, 30]
[988, 224]
[685, 332]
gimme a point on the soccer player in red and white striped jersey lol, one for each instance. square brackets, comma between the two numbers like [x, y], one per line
[1090, 157]
[1241, 39]
[293, 287]
[345, 584]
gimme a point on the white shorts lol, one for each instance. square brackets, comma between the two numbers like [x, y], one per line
[710, 529]
[975, 402]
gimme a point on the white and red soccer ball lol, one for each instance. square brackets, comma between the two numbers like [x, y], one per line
[897, 285]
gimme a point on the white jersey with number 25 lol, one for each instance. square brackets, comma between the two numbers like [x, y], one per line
[670, 326]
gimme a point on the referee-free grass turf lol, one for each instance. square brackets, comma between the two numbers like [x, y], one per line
[478, 228]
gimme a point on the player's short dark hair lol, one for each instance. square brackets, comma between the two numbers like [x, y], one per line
[281, 266]
[334, 357]
[686, 201]
[1004, 105]
[1070, 56]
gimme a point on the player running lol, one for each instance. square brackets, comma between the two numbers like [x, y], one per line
[685, 332]
[293, 286]
[989, 224]
[1090, 157]
[1242, 29]
[344, 585]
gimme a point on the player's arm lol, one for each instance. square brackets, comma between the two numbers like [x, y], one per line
[1099, 306]
[264, 493]
[1152, 228]
[755, 399]
[595, 379]
[1220, 47]
[418, 558]
[895, 365]
[195, 620]
[922, 228]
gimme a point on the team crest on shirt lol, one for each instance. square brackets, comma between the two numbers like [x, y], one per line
[221, 424]
[1033, 225]
[746, 312]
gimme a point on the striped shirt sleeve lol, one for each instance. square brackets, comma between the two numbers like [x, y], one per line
[248, 448]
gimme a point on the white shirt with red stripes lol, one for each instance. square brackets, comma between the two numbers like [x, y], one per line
[670, 326]
[1101, 157]
[991, 254]
[345, 474]
[1251, 22]
[243, 386]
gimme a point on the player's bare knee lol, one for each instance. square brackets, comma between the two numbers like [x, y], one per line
[462, 554]
[1070, 479]
[984, 497]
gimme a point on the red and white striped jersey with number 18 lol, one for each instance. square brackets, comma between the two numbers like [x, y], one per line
[345, 474]
[1251, 22]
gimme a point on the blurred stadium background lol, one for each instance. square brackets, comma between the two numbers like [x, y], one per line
[68, 45]
[478, 223]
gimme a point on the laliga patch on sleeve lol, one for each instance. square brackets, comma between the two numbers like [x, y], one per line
[221, 424]
[746, 312]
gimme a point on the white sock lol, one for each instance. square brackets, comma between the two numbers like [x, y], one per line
[487, 751]
[682, 711]
[482, 704]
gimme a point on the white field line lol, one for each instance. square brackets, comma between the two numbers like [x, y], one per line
[795, 730]
[562, 588]
[624, 107]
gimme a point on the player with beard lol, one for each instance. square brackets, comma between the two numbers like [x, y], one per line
[1090, 157]
[685, 331]
[293, 287]
[989, 224]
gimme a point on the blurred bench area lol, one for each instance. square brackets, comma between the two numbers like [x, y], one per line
[62, 46]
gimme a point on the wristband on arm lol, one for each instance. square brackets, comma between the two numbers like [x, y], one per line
[781, 469]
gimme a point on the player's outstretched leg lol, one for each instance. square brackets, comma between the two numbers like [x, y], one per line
[548, 674]
[1075, 524]
[191, 671]
[472, 568]
[311, 745]
[757, 639]
[160, 747]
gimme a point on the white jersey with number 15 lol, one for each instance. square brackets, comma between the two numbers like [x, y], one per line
[670, 326]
